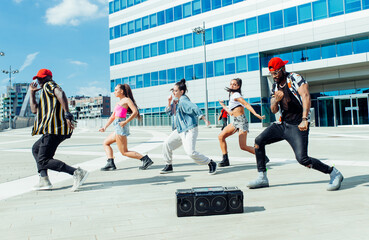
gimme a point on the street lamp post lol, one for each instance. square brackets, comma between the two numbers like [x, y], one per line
[201, 30]
[10, 72]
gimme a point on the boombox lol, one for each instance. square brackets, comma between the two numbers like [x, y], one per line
[209, 201]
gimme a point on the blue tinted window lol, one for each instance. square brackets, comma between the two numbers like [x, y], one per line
[154, 78]
[299, 55]
[219, 67]
[206, 5]
[361, 45]
[328, 51]
[112, 59]
[145, 23]
[131, 27]
[304, 12]
[196, 7]
[276, 19]
[187, 41]
[124, 29]
[319, 10]
[162, 77]
[137, 1]
[236, 1]
[170, 45]
[129, 3]
[147, 80]
[146, 51]
[263, 22]
[216, 4]
[226, 2]
[116, 31]
[209, 36]
[228, 31]
[209, 69]
[187, 10]
[124, 56]
[153, 21]
[290, 17]
[117, 58]
[287, 56]
[177, 12]
[179, 73]
[253, 62]
[217, 34]
[131, 55]
[125, 80]
[138, 25]
[139, 81]
[189, 72]
[111, 7]
[199, 71]
[352, 5]
[132, 82]
[138, 53]
[118, 81]
[153, 49]
[112, 85]
[161, 46]
[161, 18]
[171, 75]
[197, 39]
[230, 66]
[344, 48]
[241, 64]
[179, 43]
[123, 4]
[239, 29]
[313, 53]
[116, 5]
[335, 7]
[365, 4]
[169, 15]
[251, 27]
[111, 30]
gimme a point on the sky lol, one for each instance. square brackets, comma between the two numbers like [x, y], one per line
[69, 37]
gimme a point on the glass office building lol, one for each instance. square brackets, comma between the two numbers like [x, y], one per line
[153, 45]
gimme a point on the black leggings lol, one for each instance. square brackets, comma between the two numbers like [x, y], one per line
[296, 138]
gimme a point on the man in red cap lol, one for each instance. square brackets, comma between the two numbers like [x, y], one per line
[291, 97]
[55, 123]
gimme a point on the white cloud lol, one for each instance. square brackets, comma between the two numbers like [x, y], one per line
[73, 12]
[79, 63]
[92, 91]
[29, 60]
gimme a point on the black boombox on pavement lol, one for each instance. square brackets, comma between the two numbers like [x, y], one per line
[202, 201]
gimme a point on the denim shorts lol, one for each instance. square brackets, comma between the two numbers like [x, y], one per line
[241, 123]
[123, 131]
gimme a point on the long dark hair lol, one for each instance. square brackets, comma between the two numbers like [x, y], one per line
[128, 93]
[182, 85]
[239, 83]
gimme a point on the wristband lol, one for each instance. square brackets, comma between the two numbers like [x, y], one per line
[305, 118]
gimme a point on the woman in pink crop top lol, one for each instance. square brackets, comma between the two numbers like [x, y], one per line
[236, 109]
[126, 104]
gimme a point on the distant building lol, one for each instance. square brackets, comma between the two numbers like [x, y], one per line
[17, 95]
[83, 107]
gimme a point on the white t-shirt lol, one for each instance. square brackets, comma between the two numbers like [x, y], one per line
[232, 102]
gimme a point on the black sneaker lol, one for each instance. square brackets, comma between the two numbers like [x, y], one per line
[212, 167]
[110, 166]
[167, 169]
[224, 162]
[146, 162]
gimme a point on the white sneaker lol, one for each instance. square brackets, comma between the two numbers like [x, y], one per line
[336, 179]
[79, 177]
[260, 182]
[43, 184]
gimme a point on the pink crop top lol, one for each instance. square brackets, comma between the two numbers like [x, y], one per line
[120, 111]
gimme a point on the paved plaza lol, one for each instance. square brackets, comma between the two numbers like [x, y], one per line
[132, 204]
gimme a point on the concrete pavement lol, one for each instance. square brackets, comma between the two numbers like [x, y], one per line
[133, 204]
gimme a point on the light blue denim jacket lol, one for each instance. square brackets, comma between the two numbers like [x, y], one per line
[186, 116]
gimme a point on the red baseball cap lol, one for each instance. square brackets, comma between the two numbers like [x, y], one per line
[276, 63]
[43, 73]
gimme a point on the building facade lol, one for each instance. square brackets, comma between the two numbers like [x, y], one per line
[153, 45]
[83, 107]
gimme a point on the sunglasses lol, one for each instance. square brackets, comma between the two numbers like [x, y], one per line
[275, 73]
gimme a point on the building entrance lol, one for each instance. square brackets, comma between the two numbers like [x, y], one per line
[343, 110]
